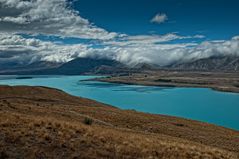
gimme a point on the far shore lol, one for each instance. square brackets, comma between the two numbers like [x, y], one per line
[226, 82]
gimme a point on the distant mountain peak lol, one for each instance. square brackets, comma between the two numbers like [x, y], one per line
[215, 63]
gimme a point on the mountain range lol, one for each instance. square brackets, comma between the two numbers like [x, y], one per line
[80, 66]
[74, 67]
[221, 63]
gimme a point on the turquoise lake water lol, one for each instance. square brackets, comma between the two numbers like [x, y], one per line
[201, 104]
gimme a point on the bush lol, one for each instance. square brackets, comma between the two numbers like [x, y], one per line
[3, 155]
[88, 121]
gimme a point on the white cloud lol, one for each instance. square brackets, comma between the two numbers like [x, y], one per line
[164, 54]
[15, 48]
[149, 39]
[51, 17]
[159, 18]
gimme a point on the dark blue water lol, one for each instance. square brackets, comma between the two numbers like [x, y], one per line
[201, 104]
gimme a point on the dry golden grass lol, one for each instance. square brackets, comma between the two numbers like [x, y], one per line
[37, 122]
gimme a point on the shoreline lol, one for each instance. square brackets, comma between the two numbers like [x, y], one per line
[223, 82]
[169, 85]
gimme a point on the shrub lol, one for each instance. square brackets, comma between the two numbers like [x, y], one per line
[88, 121]
[3, 155]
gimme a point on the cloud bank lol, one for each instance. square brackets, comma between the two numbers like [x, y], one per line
[16, 48]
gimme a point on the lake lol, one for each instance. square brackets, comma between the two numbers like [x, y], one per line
[201, 104]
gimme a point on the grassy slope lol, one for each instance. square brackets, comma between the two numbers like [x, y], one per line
[45, 123]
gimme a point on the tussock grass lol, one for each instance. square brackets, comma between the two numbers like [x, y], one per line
[50, 138]
[61, 130]
[88, 121]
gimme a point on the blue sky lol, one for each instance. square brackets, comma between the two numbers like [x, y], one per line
[216, 19]
[158, 32]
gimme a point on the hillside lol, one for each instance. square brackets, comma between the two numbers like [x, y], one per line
[39, 122]
[221, 63]
[81, 66]
[77, 66]
[88, 65]
[15, 68]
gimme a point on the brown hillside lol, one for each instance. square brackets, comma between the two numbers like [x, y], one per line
[39, 122]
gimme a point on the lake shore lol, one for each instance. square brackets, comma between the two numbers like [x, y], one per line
[46, 122]
[220, 81]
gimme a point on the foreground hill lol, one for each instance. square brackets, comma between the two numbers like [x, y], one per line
[39, 122]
